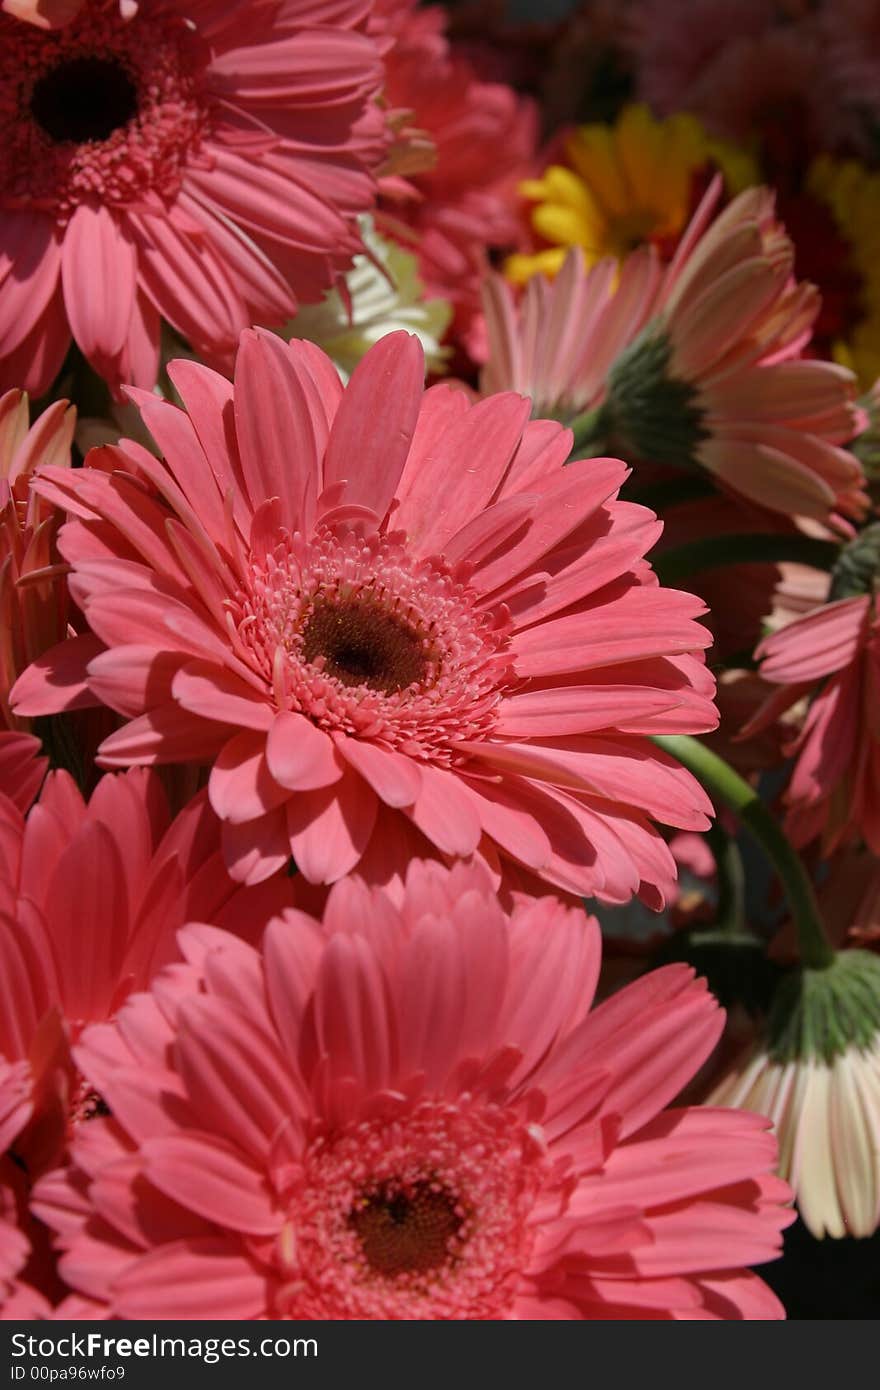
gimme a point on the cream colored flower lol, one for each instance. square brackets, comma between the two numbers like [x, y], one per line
[385, 294]
[824, 1103]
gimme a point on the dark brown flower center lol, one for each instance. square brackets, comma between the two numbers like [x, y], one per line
[406, 1231]
[363, 645]
[84, 99]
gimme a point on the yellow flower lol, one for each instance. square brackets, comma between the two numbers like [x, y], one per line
[852, 195]
[624, 185]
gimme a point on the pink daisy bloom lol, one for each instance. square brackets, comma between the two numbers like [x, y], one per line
[199, 163]
[338, 1127]
[699, 368]
[384, 596]
[91, 896]
[832, 657]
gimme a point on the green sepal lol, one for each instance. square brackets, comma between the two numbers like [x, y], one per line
[649, 414]
[823, 1013]
[857, 566]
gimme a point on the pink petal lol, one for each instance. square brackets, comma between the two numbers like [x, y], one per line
[329, 830]
[57, 680]
[241, 787]
[376, 420]
[300, 755]
[448, 486]
[191, 1280]
[445, 813]
[258, 848]
[275, 421]
[394, 778]
[211, 1179]
[207, 690]
[98, 265]
[167, 734]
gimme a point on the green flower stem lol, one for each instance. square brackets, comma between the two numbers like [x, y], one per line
[588, 431]
[711, 551]
[727, 787]
[730, 917]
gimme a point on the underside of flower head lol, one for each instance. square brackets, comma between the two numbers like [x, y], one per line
[698, 366]
[816, 1073]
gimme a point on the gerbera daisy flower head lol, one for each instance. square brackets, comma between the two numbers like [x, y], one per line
[816, 1072]
[717, 380]
[186, 164]
[697, 367]
[620, 186]
[830, 656]
[381, 595]
[401, 1146]
[91, 896]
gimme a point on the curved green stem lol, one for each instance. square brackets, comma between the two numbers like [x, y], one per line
[727, 787]
[588, 430]
[730, 915]
[711, 551]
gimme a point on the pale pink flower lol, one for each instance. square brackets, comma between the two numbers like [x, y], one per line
[384, 596]
[91, 896]
[411, 1114]
[200, 163]
[699, 367]
[816, 1072]
[833, 656]
[827, 1118]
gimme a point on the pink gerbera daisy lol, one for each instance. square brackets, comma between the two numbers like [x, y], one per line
[199, 162]
[91, 896]
[384, 596]
[344, 1125]
[697, 368]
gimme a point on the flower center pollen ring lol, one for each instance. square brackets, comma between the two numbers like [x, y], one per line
[406, 1230]
[361, 644]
